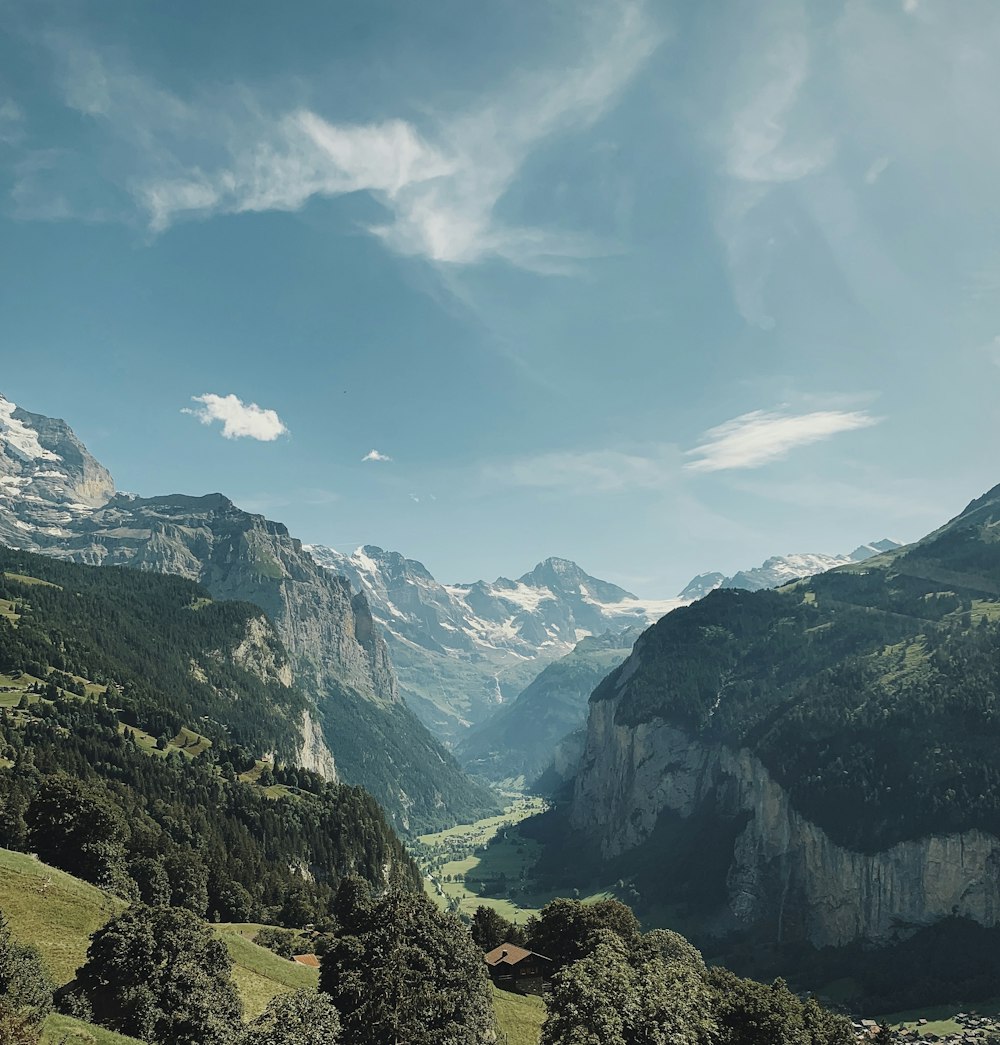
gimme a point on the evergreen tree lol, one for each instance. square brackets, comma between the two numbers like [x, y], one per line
[490, 929]
[78, 828]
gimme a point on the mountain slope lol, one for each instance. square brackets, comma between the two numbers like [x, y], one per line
[461, 651]
[836, 738]
[335, 650]
[524, 735]
[521, 738]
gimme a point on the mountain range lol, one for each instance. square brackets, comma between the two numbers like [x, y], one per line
[55, 498]
[462, 651]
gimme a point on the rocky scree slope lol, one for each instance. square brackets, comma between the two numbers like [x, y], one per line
[356, 720]
[463, 651]
[835, 741]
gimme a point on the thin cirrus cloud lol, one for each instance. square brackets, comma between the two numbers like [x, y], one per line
[765, 148]
[439, 183]
[239, 420]
[587, 472]
[376, 455]
[758, 438]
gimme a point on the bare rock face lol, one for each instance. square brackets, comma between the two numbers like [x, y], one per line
[786, 877]
[314, 754]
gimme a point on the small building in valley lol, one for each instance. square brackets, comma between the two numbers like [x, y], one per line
[514, 968]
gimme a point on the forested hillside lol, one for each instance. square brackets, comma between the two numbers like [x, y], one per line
[870, 692]
[171, 655]
[135, 709]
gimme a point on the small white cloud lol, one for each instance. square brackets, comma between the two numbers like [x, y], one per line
[877, 169]
[758, 438]
[376, 455]
[11, 121]
[910, 6]
[238, 419]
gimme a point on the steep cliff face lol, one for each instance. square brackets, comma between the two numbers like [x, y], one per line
[237, 555]
[786, 879]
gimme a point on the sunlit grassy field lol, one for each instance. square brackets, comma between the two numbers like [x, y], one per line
[520, 1017]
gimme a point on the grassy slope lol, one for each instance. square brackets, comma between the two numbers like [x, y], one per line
[260, 974]
[52, 910]
[57, 913]
[64, 1030]
[520, 1016]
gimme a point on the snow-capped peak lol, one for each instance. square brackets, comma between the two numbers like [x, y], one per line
[19, 438]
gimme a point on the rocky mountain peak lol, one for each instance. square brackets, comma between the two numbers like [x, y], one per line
[566, 577]
[48, 479]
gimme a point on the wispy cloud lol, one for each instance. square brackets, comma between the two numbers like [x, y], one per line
[587, 472]
[239, 420]
[877, 169]
[764, 147]
[376, 455]
[11, 122]
[440, 183]
[757, 438]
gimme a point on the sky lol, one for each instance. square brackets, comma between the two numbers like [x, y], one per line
[662, 288]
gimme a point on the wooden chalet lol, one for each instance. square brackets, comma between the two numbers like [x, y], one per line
[514, 968]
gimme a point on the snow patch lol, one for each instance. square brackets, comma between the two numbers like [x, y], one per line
[19, 437]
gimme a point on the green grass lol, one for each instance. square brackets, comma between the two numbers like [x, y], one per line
[939, 1017]
[260, 974]
[191, 743]
[519, 1016]
[57, 914]
[22, 578]
[511, 856]
[483, 830]
[64, 1030]
[52, 910]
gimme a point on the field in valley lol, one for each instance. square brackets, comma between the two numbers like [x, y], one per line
[489, 864]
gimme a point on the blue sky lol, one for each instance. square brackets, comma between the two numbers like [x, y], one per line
[662, 288]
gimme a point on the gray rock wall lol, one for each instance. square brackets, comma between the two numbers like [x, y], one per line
[787, 877]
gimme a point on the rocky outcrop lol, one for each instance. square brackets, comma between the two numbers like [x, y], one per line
[48, 480]
[260, 653]
[787, 879]
[314, 754]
